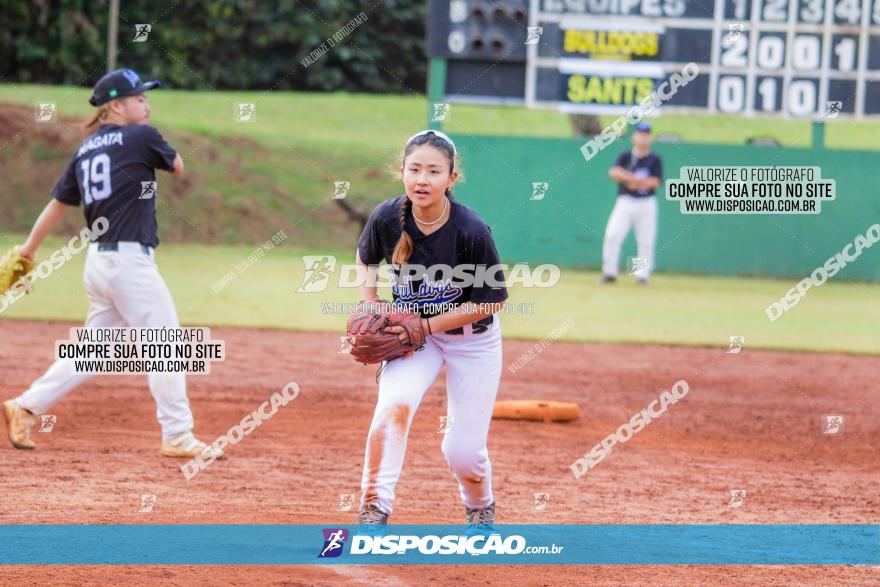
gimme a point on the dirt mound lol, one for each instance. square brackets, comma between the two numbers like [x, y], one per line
[750, 421]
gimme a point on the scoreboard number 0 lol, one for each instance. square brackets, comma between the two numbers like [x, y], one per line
[806, 54]
[731, 94]
[458, 11]
[771, 52]
[802, 98]
[457, 41]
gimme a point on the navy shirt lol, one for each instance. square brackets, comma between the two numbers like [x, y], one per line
[463, 240]
[107, 175]
[642, 167]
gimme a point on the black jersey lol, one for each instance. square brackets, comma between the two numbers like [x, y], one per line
[113, 174]
[464, 242]
[642, 167]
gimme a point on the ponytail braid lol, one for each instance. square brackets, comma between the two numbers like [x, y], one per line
[404, 247]
[97, 118]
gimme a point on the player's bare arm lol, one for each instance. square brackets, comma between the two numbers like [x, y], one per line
[178, 165]
[49, 217]
[620, 175]
[643, 183]
[369, 285]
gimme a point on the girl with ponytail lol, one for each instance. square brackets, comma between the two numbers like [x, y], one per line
[431, 241]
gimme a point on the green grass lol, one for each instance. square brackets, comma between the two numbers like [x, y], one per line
[369, 128]
[674, 309]
[282, 179]
[244, 181]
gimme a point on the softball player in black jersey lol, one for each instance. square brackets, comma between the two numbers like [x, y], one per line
[427, 227]
[113, 175]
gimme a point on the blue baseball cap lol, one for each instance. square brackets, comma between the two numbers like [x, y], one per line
[119, 83]
[643, 127]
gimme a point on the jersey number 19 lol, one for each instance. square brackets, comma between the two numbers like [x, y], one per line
[96, 178]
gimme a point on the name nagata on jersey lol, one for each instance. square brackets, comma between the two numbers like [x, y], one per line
[111, 138]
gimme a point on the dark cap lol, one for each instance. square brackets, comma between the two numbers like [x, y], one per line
[643, 127]
[119, 83]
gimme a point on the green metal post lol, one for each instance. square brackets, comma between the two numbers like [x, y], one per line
[436, 90]
[818, 135]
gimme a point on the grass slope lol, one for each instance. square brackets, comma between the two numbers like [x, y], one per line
[377, 124]
[674, 309]
[248, 180]
[245, 181]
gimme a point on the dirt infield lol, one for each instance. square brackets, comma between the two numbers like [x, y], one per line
[751, 421]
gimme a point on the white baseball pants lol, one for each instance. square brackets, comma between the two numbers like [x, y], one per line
[473, 363]
[629, 212]
[124, 289]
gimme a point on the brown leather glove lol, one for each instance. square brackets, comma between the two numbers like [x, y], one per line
[370, 344]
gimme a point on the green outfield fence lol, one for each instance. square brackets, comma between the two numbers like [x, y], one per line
[566, 227]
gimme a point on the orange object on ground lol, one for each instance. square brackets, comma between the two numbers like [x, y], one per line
[540, 410]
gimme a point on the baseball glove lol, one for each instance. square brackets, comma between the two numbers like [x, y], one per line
[13, 266]
[369, 342]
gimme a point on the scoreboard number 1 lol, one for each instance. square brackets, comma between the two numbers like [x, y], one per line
[845, 50]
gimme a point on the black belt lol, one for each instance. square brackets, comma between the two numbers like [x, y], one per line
[481, 325]
[110, 247]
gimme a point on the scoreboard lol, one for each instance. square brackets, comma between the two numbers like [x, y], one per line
[790, 58]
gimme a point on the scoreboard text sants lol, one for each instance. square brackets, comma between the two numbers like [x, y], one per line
[796, 58]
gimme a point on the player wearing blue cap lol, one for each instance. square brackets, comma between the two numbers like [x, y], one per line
[113, 176]
[638, 172]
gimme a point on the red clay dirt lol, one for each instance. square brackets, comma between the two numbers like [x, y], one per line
[750, 421]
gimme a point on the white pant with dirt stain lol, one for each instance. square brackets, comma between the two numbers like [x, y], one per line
[639, 214]
[473, 363]
[124, 289]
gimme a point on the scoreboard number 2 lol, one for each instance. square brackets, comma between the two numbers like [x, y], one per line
[775, 11]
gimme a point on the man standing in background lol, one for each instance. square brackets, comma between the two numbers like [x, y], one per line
[638, 172]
